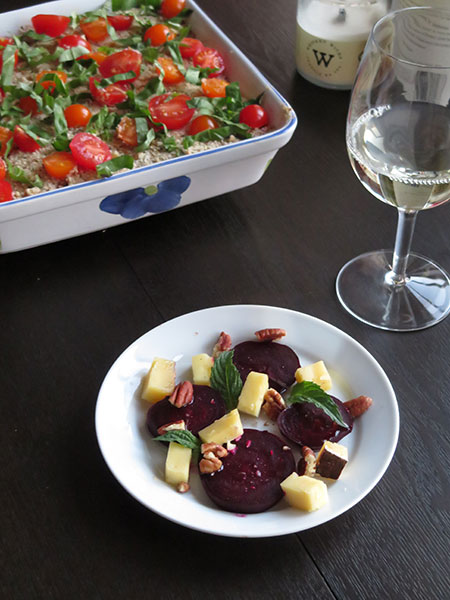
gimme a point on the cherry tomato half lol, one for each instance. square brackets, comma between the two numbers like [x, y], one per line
[171, 72]
[74, 41]
[122, 62]
[24, 141]
[2, 169]
[5, 136]
[53, 25]
[172, 8]
[88, 150]
[59, 164]
[6, 193]
[121, 22]
[173, 112]
[28, 105]
[189, 47]
[214, 87]
[95, 31]
[109, 95]
[158, 34]
[208, 58]
[126, 131]
[202, 123]
[77, 115]
[50, 85]
[254, 116]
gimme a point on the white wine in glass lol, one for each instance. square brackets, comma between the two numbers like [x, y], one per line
[398, 139]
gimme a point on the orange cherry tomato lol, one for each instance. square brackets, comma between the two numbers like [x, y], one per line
[112, 94]
[89, 150]
[189, 47]
[50, 85]
[2, 169]
[98, 57]
[172, 8]
[214, 87]
[95, 31]
[59, 164]
[53, 25]
[28, 105]
[202, 123]
[126, 131]
[122, 62]
[121, 22]
[158, 34]
[77, 115]
[5, 136]
[24, 141]
[171, 72]
[6, 193]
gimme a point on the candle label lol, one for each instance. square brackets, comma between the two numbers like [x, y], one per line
[332, 62]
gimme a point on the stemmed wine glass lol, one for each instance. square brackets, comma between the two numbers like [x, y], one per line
[398, 139]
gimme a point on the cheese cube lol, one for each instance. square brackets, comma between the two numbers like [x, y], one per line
[201, 368]
[252, 394]
[178, 462]
[331, 459]
[223, 430]
[304, 492]
[317, 373]
[159, 381]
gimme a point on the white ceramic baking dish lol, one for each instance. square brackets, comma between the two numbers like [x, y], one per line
[75, 210]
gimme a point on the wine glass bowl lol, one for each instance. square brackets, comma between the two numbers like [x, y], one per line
[398, 140]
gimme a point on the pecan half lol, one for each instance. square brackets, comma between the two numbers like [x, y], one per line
[273, 404]
[182, 395]
[307, 463]
[183, 487]
[210, 464]
[270, 335]
[214, 449]
[222, 345]
[174, 425]
[358, 406]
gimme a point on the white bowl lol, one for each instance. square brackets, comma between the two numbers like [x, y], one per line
[75, 210]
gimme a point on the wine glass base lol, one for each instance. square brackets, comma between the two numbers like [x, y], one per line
[364, 289]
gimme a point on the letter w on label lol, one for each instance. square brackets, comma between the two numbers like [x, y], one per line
[322, 57]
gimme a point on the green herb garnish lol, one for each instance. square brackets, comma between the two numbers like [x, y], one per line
[308, 391]
[183, 437]
[115, 164]
[225, 378]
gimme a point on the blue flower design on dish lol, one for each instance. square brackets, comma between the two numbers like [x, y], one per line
[152, 199]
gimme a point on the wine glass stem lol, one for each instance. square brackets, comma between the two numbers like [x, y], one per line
[403, 239]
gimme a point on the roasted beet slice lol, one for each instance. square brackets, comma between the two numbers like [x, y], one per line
[308, 425]
[249, 480]
[206, 407]
[277, 360]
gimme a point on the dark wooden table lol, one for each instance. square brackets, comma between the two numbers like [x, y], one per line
[68, 529]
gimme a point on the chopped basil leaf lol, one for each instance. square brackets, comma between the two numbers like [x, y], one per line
[117, 5]
[115, 78]
[72, 53]
[115, 164]
[19, 175]
[8, 59]
[220, 133]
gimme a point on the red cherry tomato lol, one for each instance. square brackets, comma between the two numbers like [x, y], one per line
[6, 193]
[89, 150]
[254, 116]
[122, 62]
[77, 115]
[53, 25]
[5, 136]
[172, 74]
[189, 47]
[126, 131]
[208, 58]
[95, 31]
[173, 112]
[172, 8]
[109, 95]
[28, 105]
[59, 164]
[202, 123]
[2, 169]
[121, 22]
[73, 41]
[23, 141]
[158, 34]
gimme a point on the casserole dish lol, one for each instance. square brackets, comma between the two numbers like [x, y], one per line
[77, 209]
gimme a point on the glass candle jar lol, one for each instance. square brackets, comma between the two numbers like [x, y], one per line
[331, 35]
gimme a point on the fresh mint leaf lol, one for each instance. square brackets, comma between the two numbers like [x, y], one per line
[183, 437]
[225, 378]
[308, 391]
[115, 164]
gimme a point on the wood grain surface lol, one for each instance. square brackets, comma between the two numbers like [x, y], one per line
[68, 529]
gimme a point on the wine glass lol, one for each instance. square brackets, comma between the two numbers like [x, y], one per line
[398, 139]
